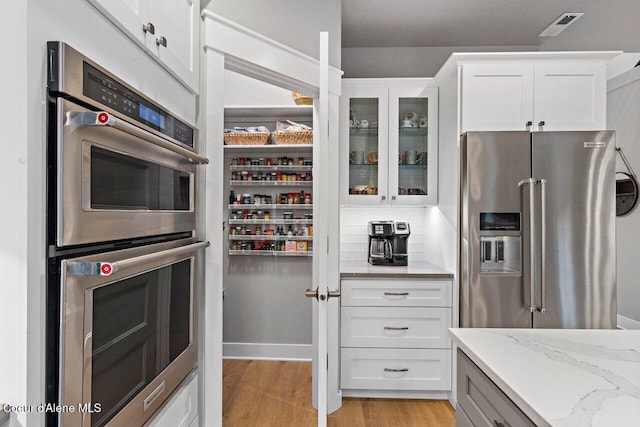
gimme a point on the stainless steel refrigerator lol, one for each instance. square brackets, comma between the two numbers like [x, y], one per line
[537, 230]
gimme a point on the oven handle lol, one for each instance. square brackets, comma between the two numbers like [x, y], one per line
[102, 118]
[82, 268]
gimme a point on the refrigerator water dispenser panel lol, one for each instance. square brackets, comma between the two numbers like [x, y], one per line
[500, 254]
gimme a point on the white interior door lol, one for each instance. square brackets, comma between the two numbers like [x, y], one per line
[321, 226]
[327, 395]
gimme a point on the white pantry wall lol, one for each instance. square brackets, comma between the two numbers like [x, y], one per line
[295, 23]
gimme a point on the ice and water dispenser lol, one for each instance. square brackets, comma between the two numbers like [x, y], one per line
[500, 243]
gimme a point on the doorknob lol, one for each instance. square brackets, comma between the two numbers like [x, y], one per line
[311, 294]
[162, 41]
[334, 294]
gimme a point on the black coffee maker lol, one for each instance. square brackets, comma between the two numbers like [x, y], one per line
[388, 241]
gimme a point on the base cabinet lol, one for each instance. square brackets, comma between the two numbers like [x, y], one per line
[182, 408]
[393, 337]
[481, 403]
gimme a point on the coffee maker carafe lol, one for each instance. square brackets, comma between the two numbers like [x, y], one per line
[388, 241]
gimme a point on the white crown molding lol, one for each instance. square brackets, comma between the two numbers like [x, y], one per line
[257, 56]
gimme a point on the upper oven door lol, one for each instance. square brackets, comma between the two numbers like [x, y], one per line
[118, 181]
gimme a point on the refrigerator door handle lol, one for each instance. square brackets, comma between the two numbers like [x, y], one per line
[529, 294]
[543, 245]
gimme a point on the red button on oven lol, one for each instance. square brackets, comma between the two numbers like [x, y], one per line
[106, 269]
[103, 118]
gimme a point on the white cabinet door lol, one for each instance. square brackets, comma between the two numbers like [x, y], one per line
[570, 95]
[152, 24]
[364, 146]
[176, 24]
[128, 15]
[413, 146]
[497, 96]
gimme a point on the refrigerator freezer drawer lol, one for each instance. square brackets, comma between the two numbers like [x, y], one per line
[412, 327]
[396, 292]
[395, 369]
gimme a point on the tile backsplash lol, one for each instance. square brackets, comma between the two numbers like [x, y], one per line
[354, 237]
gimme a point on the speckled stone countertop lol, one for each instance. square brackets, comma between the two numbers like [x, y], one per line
[562, 377]
[418, 269]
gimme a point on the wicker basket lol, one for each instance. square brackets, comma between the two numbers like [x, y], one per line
[301, 99]
[246, 138]
[293, 137]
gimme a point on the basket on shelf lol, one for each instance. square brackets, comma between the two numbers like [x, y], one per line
[246, 138]
[292, 137]
[301, 99]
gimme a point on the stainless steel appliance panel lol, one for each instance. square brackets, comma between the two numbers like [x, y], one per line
[81, 280]
[578, 252]
[492, 165]
[79, 222]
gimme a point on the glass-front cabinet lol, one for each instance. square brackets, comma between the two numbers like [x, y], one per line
[389, 142]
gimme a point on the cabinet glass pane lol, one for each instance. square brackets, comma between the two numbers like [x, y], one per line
[363, 146]
[413, 142]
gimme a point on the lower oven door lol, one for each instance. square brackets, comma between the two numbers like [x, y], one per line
[128, 332]
[118, 181]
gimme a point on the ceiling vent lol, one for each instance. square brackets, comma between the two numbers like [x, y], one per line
[560, 24]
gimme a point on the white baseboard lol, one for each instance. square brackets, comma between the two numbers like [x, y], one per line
[237, 350]
[626, 323]
[396, 394]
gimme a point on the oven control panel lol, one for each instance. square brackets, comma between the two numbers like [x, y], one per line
[111, 93]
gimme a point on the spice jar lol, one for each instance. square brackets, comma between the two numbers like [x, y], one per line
[307, 199]
[267, 215]
[300, 161]
[246, 199]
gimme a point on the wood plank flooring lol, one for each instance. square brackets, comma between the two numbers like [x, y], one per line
[278, 394]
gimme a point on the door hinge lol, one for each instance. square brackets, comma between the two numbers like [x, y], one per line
[327, 244]
[327, 361]
[224, 225]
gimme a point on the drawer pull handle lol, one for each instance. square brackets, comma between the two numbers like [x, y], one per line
[396, 328]
[396, 370]
[498, 423]
[396, 294]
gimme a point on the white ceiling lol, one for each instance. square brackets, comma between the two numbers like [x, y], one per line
[412, 23]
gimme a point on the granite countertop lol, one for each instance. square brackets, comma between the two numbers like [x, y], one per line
[414, 269]
[562, 377]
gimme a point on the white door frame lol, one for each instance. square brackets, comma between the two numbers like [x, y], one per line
[228, 45]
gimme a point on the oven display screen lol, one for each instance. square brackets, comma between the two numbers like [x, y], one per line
[151, 116]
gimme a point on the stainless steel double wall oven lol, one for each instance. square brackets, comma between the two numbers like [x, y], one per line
[122, 252]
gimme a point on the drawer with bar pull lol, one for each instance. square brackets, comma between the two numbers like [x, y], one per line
[401, 327]
[375, 292]
[395, 369]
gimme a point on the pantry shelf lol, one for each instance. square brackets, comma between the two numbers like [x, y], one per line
[271, 253]
[270, 221]
[272, 183]
[270, 207]
[272, 168]
[266, 238]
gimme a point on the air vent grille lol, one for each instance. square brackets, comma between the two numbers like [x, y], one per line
[560, 24]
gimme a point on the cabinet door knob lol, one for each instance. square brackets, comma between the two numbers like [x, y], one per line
[384, 197]
[149, 28]
[393, 197]
[541, 123]
[162, 41]
[529, 123]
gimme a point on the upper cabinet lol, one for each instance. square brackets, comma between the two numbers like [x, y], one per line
[167, 29]
[388, 142]
[526, 94]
